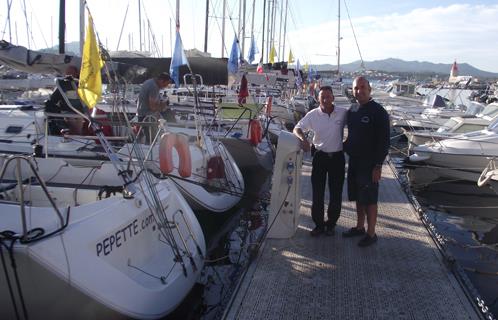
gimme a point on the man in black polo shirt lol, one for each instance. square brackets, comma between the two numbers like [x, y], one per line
[367, 145]
[327, 124]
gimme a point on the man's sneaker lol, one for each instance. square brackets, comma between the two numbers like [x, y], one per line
[317, 231]
[329, 230]
[367, 240]
[353, 232]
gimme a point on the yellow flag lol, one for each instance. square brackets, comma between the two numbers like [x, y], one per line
[90, 82]
[291, 57]
[273, 53]
[305, 69]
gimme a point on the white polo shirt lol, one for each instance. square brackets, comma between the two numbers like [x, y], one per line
[328, 129]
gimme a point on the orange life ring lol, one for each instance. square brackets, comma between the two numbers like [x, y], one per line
[255, 132]
[180, 143]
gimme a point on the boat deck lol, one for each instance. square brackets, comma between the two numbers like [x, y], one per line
[402, 276]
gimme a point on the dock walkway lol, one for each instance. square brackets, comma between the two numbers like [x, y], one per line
[402, 276]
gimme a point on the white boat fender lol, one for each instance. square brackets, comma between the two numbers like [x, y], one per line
[180, 143]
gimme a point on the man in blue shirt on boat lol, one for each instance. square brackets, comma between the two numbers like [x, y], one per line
[149, 103]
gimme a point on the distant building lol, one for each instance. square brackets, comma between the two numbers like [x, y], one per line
[455, 78]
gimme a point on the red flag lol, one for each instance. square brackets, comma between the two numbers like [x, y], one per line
[243, 90]
[260, 68]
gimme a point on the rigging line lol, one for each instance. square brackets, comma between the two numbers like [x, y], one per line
[39, 28]
[150, 30]
[27, 23]
[7, 277]
[7, 21]
[151, 190]
[122, 26]
[354, 35]
[155, 206]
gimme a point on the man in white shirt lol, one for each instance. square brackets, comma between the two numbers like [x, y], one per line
[327, 124]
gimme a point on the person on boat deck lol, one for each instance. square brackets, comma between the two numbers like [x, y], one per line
[327, 124]
[57, 104]
[149, 101]
[367, 146]
[150, 105]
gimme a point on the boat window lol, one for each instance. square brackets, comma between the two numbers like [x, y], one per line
[493, 126]
[474, 108]
[491, 110]
[468, 128]
[13, 129]
[447, 126]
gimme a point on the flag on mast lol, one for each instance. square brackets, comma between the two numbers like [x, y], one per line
[233, 60]
[178, 59]
[259, 69]
[252, 50]
[291, 57]
[90, 81]
[273, 54]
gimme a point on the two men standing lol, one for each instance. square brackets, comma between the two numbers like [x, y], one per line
[367, 146]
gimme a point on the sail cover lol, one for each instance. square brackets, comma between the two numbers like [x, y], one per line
[23, 59]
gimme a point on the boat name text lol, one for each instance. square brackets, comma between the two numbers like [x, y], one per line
[119, 237]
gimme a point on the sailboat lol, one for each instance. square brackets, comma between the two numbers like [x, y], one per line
[77, 245]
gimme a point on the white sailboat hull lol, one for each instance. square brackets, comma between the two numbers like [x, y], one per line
[110, 260]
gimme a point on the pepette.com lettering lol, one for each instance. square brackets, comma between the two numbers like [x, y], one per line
[121, 236]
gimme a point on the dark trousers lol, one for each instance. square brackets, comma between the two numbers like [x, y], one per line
[325, 165]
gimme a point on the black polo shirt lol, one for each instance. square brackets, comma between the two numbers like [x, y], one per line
[368, 132]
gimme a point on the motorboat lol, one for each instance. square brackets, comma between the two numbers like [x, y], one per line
[462, 156]
[454, 126]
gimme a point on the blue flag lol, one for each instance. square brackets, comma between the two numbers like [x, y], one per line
[252, 50]
[310, 74]
[233, 60]
[178, 59]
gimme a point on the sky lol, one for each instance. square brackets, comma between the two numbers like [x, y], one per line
[422, 30]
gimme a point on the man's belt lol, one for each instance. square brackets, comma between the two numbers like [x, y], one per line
[329, 154]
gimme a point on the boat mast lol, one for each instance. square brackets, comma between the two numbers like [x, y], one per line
[62, 25]
[206, 27]
[140, 25]
[338, 38]
[252, 22]
[285, 27]
[243, 27]
[82, 26]
[177, 15]
[280, 30]
[263, 34]
[223, 29]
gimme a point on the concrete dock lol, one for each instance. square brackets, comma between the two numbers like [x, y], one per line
[402, 276]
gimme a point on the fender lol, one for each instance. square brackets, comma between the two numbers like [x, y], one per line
[180, 143]
[269, 102]
[255, 132]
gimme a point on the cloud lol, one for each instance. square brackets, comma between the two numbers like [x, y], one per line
[467, 33]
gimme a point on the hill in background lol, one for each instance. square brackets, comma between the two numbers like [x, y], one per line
[392, 65]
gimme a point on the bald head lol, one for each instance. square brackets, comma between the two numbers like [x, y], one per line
[362, 90]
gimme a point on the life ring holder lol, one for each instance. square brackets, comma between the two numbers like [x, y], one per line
[487, 173]
[180, 142]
